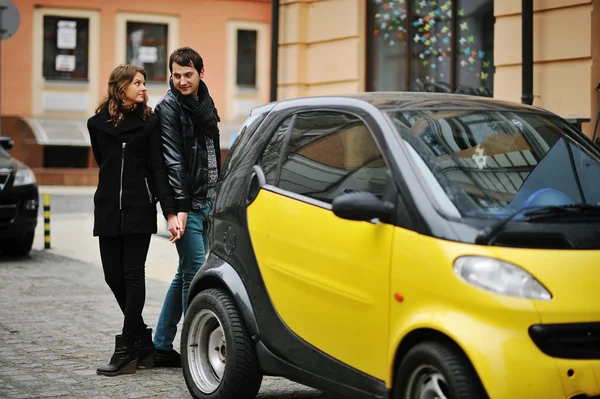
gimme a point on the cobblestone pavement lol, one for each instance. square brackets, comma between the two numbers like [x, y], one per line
[57, 324]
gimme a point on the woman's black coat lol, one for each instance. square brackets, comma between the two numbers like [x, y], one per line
[132, 174]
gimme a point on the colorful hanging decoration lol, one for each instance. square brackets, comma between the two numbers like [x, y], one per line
[390, 21]
[430, 23]
[430, 27]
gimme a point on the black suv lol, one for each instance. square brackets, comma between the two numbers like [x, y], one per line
[19, 202]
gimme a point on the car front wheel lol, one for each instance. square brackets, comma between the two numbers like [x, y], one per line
[18, 246]
[218, 357]
[435, 370]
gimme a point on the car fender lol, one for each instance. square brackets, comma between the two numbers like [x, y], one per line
[217, 273]
[489, 341]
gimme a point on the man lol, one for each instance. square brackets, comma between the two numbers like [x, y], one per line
[190, 137]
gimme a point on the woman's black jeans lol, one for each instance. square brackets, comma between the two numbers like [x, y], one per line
[124, 264]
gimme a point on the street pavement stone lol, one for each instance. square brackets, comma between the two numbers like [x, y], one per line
[58, 320]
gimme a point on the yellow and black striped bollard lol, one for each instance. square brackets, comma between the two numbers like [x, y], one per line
[47, 221]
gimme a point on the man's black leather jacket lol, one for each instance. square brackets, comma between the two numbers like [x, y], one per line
[185, 153]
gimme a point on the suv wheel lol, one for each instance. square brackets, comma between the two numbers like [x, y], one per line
[17, 246]
[218, 357]
[435, 370]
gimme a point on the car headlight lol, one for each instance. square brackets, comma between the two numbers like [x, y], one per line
[24, 176]
[499, 277]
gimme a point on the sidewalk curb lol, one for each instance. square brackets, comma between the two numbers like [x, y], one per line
[67, 190]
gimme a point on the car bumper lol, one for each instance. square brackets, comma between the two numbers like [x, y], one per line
[19, 210]
[511, 365]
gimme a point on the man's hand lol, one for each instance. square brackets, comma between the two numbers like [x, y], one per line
[182, 216]
[174, 227]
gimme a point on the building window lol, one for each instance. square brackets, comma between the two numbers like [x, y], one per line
[147, 47]
[438, 46]
[66, 42]
[246, 58]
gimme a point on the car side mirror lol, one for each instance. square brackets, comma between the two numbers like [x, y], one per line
[257, 180]
[7, 142]
[362, 206]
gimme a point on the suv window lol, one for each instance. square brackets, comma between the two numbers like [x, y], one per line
[328, 154]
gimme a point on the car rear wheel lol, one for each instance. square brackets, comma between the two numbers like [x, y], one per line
[17, 246]
[433, 370]
[218, 357]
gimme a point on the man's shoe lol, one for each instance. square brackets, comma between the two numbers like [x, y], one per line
[167, 358]
[145, 348]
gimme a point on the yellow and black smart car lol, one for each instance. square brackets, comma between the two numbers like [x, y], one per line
[402, 245]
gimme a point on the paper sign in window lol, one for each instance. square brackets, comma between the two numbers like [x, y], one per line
[147, 55]
[66, 35]
[65, 63]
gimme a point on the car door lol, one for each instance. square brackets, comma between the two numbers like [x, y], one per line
[328, 278]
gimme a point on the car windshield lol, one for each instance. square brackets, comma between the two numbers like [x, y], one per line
[482, 163]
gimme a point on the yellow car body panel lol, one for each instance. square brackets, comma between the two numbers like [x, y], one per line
[333, 282]
[492, 329]
[572, 277]
[327, 278]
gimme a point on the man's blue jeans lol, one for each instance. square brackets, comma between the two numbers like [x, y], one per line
[192, 248]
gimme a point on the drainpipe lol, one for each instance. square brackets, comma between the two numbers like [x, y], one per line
[274, 47]
[527, 51]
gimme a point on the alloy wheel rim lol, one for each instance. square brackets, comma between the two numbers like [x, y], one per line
[426, 382]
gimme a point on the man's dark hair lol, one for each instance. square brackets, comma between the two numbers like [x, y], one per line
[186, 56]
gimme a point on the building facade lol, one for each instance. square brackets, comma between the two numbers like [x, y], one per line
[55, 69]
[465, 46]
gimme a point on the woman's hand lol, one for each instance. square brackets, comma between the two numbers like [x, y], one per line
[174, 227]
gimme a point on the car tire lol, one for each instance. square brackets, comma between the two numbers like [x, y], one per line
[17, 246]
[217, 355]
[433, 369]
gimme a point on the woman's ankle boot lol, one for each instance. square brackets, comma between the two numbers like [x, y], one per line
[124, 359]
[145, 349]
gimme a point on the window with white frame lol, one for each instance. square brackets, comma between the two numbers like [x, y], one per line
[65, 48]
[246, 58]
[147, 46]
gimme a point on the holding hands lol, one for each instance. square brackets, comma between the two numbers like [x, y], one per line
[176, 224]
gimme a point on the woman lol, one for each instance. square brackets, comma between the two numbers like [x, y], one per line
[126, 144]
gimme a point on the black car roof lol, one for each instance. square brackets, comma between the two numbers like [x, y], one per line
[411, 100]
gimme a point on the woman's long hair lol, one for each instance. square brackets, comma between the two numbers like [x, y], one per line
[119, 79]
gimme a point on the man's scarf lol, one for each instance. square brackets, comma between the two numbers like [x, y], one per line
[204, 113]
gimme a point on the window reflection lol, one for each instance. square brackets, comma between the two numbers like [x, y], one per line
[272, 154]
[328, 154]
[492, 163]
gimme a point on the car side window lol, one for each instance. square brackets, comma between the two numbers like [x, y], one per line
[329, 154]
[242, 139]
[272, 154]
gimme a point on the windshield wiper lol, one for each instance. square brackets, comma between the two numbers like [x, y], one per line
[560, 210]
[531, 213]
